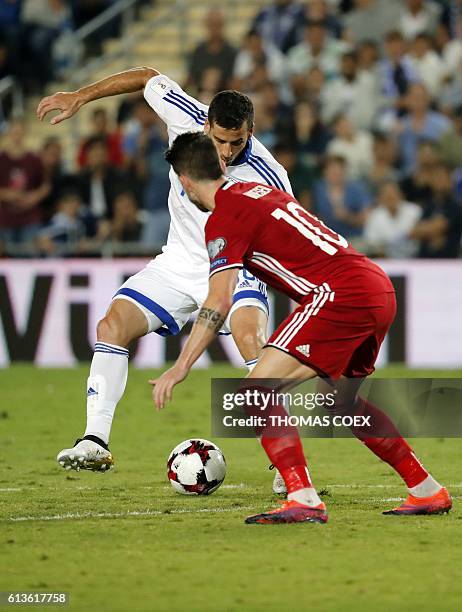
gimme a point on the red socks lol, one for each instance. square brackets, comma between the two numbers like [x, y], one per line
[390, 446]
[286, 454]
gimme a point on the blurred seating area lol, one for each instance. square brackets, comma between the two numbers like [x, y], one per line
[360, 100]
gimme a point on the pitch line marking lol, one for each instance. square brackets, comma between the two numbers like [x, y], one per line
[92, 515]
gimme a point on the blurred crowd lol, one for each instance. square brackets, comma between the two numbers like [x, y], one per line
[360, 100]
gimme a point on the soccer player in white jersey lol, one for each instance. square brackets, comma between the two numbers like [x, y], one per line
[162, 296]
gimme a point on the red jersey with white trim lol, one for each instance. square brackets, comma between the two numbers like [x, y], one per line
[269, 233]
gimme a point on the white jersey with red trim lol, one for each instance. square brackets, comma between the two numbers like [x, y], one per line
[185, 249]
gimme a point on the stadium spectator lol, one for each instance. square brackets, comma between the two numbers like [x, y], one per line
[397, 72]
[308, 86]
[320, 10]
[256, 53]
[419, 17]
[427, 63]
[301, 175]
[384, 162]
[66, 231]
[310, 135]
[54, 173]
[440, 230]
[354, 93]
[99, 182]
[100, 128]
[416, 187]
[214, 52]
[22, 189]
[368, 57]
[451, 49]
[450, 93]
[355, 146]
[316, 49]
[371, 20]
[280, 24]
[126, 225]
[144, 148]
[420, 124]
[43, 22]
[450, 143]
[341, 203]
[387, 227]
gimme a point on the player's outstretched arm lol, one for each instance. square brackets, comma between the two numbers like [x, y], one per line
[209, 321]
[69, 102]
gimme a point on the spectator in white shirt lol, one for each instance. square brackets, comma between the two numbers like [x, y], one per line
[419, 17]
[387, 228]
[355, 146]
[429, 66]
[354, 93]
[257, 53]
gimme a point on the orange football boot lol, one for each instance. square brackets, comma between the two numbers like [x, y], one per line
[291, 512]
[439, 503]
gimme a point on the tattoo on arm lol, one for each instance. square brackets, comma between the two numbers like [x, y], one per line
[210, 318]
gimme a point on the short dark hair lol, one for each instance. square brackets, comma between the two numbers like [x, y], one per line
[230, 108]
[194, 155]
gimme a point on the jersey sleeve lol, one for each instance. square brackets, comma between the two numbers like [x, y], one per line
[227, 239]
[176, 108]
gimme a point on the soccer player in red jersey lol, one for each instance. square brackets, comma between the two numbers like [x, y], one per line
[346, 306]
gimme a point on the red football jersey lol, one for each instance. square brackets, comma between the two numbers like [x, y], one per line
[269, 233]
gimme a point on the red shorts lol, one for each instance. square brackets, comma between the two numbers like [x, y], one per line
[337, 337]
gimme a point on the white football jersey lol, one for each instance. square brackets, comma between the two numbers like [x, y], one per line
[182, 113]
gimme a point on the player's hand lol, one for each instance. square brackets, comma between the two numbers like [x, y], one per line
[163, 386]
[66, 102]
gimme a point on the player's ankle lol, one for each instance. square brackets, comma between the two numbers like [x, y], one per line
[307, 496]
[427, 488]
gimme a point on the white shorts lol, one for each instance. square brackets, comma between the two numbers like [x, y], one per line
[162, 294]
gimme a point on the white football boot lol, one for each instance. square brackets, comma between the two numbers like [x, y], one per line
[279, 486]
[90, 453]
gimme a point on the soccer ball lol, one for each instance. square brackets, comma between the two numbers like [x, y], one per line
[196, 467]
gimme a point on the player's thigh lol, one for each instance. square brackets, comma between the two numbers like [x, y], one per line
[122, 323]
[160, 296]
[278, 365]
[248, 322]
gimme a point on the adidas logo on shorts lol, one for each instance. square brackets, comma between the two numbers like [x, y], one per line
[304, 349]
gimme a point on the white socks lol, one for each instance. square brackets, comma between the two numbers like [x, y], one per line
[307, 496]
[251, 364]
[426, 488]
[105, 387]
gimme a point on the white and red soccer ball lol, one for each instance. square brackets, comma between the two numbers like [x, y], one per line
[196, 467]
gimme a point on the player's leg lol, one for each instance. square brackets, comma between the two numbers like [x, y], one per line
[383, 438]
[147, 302]
[248, 318]
[283, 446]
[248, 325]
[426, 495]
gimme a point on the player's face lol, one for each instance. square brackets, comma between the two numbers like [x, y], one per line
[228, 142]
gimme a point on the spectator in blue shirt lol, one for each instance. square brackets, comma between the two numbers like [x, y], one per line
[421, 124]
[280, 24]
[341, 203]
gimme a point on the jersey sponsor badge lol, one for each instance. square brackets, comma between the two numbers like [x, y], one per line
[215, 247]
[257, 192]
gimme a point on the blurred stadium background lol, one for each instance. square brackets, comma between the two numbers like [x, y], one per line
[360, 100]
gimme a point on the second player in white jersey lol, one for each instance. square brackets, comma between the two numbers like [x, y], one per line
[174, 284]
[163, 296]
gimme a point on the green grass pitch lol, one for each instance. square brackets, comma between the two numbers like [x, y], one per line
[125, 541]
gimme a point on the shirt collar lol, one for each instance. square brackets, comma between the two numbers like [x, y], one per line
[244, 155]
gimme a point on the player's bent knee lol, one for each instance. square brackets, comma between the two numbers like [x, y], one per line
[121, 325]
